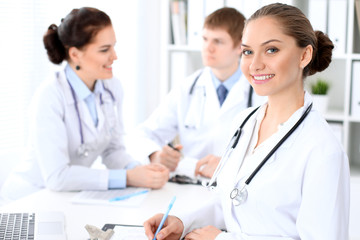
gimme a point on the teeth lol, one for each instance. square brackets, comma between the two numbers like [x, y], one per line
[264, 77]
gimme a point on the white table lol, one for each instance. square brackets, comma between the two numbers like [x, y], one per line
[78, 215]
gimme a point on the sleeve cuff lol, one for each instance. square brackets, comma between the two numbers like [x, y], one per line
[117, 178]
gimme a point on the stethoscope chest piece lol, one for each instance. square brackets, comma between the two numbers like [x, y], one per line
[83, 151]
[238, 197]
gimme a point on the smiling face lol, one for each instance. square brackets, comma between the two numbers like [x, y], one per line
[271, 61]
[218, 51]
[96, 58]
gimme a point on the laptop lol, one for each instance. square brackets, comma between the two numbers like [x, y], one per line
[33, 226]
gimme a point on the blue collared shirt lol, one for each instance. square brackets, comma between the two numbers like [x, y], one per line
[228, 83]
[84, 93]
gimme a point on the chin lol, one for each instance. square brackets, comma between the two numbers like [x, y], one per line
[260, 92]
[107, 76]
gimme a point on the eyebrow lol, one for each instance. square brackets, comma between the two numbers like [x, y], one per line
[105, 46]
[264, 43]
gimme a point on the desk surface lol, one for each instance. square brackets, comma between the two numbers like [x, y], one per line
[78, 215]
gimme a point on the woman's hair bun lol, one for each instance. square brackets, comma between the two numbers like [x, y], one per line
[323, 54]
[54, 47]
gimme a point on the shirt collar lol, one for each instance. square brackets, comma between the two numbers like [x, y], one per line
[80, 88]
[228, 83]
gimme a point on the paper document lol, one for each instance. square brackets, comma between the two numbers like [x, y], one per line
[129, 233]
[131, 197]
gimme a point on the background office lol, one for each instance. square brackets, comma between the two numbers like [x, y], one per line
[148, 56]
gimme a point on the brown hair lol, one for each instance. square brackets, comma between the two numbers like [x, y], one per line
[78, 29]
[295, 24]
[229, 19]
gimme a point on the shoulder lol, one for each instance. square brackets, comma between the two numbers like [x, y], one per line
[318, 146]
[50, 95]
[52, 88]
[323, 152]
[318, 130]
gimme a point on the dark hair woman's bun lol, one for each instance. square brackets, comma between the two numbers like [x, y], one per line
[322, 56]
[54, 47]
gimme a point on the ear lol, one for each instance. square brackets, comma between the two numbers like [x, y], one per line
[75, 54]
[306, 56]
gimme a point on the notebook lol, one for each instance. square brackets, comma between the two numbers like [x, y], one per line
[33, 226]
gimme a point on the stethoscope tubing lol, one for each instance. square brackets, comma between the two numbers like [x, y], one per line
[237, 135]
[283, 139]
[77, 108]
[229, 150]
[77, 112]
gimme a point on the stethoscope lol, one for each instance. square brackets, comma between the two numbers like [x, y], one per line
[83, 150]
[239, 196]
[249, 101]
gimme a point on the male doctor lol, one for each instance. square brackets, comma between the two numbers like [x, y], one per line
[200, 110]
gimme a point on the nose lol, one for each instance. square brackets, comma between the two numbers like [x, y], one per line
[208, 46]
[114, 55]
[257, 63]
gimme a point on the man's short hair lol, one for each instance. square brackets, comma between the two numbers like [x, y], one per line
[228, 19]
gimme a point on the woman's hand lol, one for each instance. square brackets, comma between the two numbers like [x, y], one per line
[172, 228]
[153, 175]
[207, 165]
[168, 156]
[205, 233]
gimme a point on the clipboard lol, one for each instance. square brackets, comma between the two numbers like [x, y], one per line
[126, 232]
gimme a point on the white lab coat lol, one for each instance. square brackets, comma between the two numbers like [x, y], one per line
[302, 191]
[197, 119]
[51, 159]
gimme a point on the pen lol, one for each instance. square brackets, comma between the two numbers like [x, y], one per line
[128, 196]
[172, 146]
[164, 217]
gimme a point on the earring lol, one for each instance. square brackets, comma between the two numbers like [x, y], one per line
[77, 67]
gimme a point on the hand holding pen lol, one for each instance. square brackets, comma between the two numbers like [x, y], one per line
[164, 217]
[173, 227]
[169, 156]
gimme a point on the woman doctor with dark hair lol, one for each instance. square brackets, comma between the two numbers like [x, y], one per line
[76, 117]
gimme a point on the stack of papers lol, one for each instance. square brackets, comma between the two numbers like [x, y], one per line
[129, 233]
[128, 197]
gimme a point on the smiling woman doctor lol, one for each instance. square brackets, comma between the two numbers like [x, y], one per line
[76, 117]
[285, 174]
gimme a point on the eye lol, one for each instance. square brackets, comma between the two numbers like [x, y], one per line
[217, 41]
[272, 50]
[246, 52]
